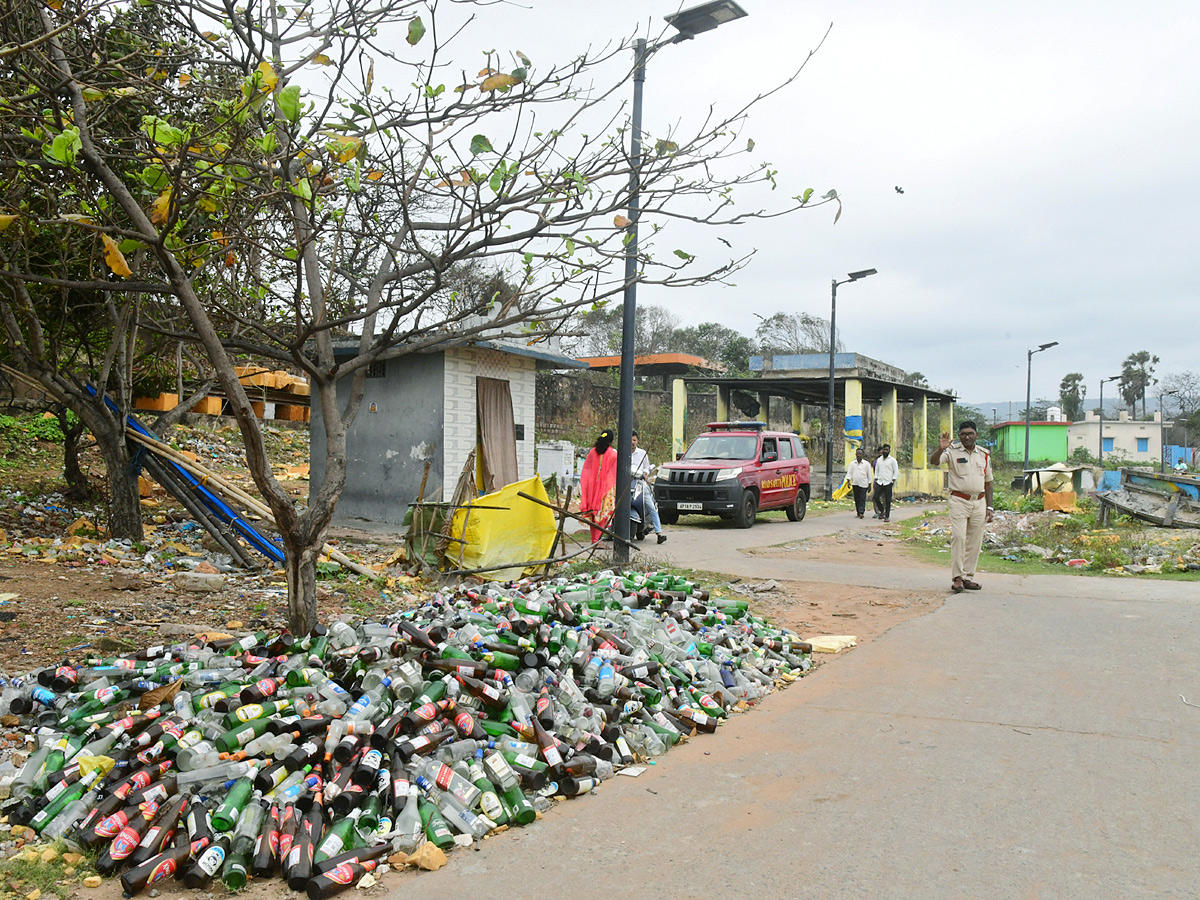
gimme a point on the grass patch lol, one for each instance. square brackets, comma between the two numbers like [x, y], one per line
[42, 868]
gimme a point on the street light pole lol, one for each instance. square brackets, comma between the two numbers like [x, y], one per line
[1162, 431]
[1100, 455]
[689, 23]
[1028, 391]
[853, 276]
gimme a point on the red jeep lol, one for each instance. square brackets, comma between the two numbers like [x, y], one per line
[733, 470]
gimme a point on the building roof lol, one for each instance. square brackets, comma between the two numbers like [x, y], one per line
[656, 363]
[546, 359]
[814, 388]
[1021, 423]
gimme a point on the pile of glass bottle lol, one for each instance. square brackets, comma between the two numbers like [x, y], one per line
[315, 758]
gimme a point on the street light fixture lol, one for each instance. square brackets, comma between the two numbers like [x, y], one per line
[1100, 456]
[689, 23]
[1162, 431]
[853, 276]
[1028, 391]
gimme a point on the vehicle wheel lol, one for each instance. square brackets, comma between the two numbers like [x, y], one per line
[796, 511]
[642, 531]
[668, 517]
[744, 517]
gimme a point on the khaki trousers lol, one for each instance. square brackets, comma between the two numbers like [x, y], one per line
[966, 535]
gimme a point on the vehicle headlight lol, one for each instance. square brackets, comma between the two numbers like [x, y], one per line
[726, 474]
[662, 475]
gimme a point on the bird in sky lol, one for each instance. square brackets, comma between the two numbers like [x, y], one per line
[899, 190]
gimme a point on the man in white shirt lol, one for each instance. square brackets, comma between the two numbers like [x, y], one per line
[887, 473]
[640, 467]
[859, 474]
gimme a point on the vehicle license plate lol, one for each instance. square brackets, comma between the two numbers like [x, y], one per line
[695, 506]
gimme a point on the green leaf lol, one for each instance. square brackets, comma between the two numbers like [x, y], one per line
[570, 247]
[806, 196]
[66, 146]
[480, 144]
[665, 148]
[289, 102]
[682, 254]
[291, 253]
[497, 180]
[154, 178]
[161, 131]
[416, 31]
[301, 189]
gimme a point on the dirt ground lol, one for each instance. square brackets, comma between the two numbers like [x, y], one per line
[823, 608]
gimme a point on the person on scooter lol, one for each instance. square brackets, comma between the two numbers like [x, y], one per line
[639, 462]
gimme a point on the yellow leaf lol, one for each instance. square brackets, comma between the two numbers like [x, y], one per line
[621, 221]
[90, 94]
[344, 149]
[483, 73]
[322, 60]
[54, 4]
[210, 36]
[184, 79]
[208, 204]
[219, 237]
[6, 220]
[374, 175]
[370, 76]
[495, 82]
[269, 78]
[115, 258]
[160, 209]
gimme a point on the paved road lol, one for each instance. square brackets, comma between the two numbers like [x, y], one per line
[1025, 742]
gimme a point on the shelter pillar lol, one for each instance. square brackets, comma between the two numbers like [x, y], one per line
[797, 417]
[946, 420]
[920, 433]
[678, 416]
[764, 408]
[852, 407]
[887, 418]
[723, 393]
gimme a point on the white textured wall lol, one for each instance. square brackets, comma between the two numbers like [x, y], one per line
[463, 366]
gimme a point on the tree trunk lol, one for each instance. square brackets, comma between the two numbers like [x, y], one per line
[124, 506]
[77, 487]
[301, 569]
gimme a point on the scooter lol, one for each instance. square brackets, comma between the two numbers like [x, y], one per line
[638, 526]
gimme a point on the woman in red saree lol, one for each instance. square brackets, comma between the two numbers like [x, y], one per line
[598, 483]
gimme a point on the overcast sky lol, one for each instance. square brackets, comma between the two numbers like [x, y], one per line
[1048, 153]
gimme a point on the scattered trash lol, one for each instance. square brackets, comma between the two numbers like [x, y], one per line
[320, 757]
[831, 643]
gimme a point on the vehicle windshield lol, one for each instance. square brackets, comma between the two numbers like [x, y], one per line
[723, 446]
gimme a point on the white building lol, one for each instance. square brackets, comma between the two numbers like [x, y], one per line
[1123, 438]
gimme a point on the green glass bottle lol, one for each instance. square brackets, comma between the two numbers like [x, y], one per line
[436, 829]
[240, 735]
[226, 815]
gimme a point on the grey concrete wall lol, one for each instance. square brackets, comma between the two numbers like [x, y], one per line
[397, 429]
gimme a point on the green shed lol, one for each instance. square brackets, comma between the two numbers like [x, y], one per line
[1047, 441]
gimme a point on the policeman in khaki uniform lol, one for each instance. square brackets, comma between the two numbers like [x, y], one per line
[969, 481]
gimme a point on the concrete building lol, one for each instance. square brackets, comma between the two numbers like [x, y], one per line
[427, 406]
[1124, 438]
[1047, 441]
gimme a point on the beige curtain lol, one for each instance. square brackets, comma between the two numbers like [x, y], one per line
[497, 433]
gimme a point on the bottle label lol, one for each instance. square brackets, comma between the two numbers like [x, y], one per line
[331, 846]
[371, 759]
[161, 871]
[249, 711]
[111, 826]
[211, 859]
[124, 844]
[245, 736]
[527, 762]
[343, 874]
[151, 834]
[553, 757]
[442, 779]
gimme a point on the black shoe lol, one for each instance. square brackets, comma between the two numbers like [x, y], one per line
[661, 537]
